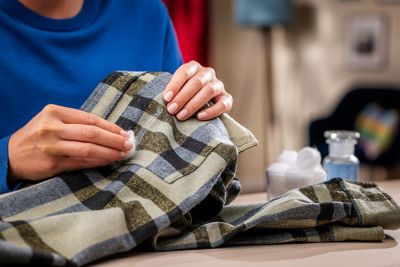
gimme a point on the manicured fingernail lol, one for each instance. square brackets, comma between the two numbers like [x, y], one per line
[182, 115]
[193, 70]
[168, 96]
[202, 115]
[128, 145]
[124, 133]
[172, 107]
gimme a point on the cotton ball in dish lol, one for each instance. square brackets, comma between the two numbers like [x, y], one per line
[278, 167]
[308, 158]
[288, 157]
[132, 139]
[276, 179]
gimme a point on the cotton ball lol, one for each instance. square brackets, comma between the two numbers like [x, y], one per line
[278, 167]
[288, 157]
[308, 158]
[297, 178]
[276, 180]
[132, 139]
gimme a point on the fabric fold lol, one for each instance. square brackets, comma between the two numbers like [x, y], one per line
[174, 193]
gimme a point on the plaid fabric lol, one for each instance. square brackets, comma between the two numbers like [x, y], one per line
[174, 193]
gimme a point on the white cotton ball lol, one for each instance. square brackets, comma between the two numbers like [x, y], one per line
[319, 175]
[288, 157]
[131, 152]
[308, 158]
[297, 178]
[276, 185]
[278, 167]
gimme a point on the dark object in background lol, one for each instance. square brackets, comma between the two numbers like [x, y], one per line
[354, 113]
[263, 13]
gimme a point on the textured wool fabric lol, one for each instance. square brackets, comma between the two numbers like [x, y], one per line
[174, 193]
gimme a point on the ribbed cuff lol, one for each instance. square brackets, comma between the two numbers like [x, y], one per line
[5, 187]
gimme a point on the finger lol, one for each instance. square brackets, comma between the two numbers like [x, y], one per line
[96, 135]
[75, 116]
[223, 104]
[180, 77]
[208, 92]
[71, 164]
[190, 89]
[86, 150]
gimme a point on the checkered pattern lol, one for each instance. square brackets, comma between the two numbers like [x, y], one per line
[174, 193]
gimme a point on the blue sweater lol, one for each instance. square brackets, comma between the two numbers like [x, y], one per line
[60, 61]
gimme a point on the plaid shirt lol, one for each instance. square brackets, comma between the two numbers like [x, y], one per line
[174, 193]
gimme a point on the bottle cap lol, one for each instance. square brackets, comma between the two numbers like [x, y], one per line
[341, 135]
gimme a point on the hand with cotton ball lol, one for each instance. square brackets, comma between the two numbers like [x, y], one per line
[132, 139]
[293, 170]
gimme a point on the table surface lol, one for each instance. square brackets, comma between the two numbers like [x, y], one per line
[386, 253]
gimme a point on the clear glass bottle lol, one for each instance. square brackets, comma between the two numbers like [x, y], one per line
[341, 161]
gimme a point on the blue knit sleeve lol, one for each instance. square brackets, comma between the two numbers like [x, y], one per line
[172, 57]
[5, 187]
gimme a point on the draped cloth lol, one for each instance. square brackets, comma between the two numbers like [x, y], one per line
[175, 193]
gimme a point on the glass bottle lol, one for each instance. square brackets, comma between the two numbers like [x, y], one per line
[341, 161]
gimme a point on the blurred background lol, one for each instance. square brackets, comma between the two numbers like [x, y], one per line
[298, 67]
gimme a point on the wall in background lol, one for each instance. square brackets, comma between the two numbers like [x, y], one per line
[309, 72]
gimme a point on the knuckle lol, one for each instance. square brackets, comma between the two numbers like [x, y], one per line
[198, 82]
[210, 70]
[50, 109]
[210, 91]
[90, 132]
[91, 119]
[45, 130]
[228, 101]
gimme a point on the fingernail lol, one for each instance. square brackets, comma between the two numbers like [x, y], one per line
[168, 96]
[172, 108]
[182, 115]
[128, 145]
[202, 115]
[124, 133]
[123, 154]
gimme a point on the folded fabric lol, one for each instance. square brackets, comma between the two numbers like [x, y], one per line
[174, 193]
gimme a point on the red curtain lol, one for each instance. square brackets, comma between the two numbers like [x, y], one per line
[190, 19]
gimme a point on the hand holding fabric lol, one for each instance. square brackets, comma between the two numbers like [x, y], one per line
[59, 139]
[191, 87]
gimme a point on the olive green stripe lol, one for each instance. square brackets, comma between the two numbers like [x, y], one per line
[121, 81]
[135, 214]
[147, 191]
[310, 193]
[32, 238]
[201, 235]
[336, 192]
[227, 152]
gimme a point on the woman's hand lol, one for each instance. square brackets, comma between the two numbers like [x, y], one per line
[59, 139]
[191, 87]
